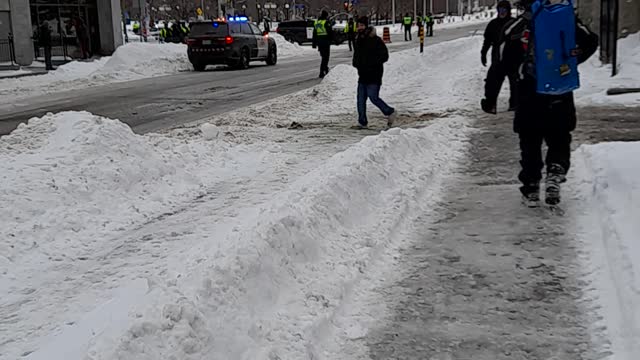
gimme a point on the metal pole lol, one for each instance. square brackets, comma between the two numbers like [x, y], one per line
[431, 6]
[415, 8]
[393, 12]
[614, 39]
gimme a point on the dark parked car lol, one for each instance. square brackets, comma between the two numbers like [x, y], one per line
[301, 31]
[234, 42]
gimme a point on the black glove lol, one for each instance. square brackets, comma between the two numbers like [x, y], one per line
[483, 59]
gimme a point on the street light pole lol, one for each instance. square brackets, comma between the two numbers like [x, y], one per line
[393, 12]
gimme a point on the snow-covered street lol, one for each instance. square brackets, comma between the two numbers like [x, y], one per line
[277, 232]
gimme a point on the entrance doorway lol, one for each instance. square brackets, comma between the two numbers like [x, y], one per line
[74, 28]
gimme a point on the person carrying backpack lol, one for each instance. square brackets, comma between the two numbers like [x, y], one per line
[496, 75]
[547, 76]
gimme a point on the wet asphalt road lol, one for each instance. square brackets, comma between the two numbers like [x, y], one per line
[157, 103]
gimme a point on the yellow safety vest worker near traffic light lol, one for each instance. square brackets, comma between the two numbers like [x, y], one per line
[408, 20]
[321, 29]
[354, 28]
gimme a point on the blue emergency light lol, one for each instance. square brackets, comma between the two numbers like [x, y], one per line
[215, 24]
[238, 19]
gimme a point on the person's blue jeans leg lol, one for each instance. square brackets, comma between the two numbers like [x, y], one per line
[373, 91]
[362, 104]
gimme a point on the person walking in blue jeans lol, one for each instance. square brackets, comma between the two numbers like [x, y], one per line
[370, 54]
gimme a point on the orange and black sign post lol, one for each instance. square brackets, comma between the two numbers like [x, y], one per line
[421, 34]
[386, 35]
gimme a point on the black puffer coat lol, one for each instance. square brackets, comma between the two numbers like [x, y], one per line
[369, 57]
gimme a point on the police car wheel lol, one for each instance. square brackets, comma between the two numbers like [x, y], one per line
[243, 62]
[272, 57]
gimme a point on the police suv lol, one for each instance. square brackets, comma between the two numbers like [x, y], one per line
[233, 41]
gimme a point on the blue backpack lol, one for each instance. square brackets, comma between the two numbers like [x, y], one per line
[554, 37]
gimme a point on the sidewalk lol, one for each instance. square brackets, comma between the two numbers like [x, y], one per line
[22, 72]
[491, 279]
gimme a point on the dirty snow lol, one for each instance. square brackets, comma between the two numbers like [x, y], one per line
[608, 192]
[596, 78]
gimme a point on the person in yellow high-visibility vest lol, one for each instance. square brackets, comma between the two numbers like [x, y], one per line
[407, 23]
[322, 36]
[428, 19]
[350, 29]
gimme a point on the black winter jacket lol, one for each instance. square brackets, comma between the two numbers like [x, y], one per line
[370, 54]
[44, 35]
[492, 37]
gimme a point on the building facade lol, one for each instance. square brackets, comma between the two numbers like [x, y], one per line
[629, 15]
[98, 21]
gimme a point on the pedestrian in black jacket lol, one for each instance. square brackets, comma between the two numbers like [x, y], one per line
[539, 117]
[496, 75]
[44, 40]
[369, 57]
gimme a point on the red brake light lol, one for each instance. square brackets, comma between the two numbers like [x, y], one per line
[278, 30]
[192, 41]
[228, 40]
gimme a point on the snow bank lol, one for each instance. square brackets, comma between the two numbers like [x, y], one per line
[90, 202]
[135, 61]
[596, 78]
[609, 194]
[75, 176]
[73, 186]
[287, 49]
[413, 83]
[270, 290]
[130, 62]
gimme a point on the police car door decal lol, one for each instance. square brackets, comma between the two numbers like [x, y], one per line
[310, 33]
[263, 46]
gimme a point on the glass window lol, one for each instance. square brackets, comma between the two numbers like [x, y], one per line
[235, 28]
[215, 28]
[246, 29]
[255, 29]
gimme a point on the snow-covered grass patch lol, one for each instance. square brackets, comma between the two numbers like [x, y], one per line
[608, 190]
[130, 62]
[596, 78]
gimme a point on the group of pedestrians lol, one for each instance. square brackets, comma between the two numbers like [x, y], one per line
[542, 79]
[369, 55]
[426, 21]
[44, 38]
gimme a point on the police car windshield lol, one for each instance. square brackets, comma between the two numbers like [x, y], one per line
[212, 28]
